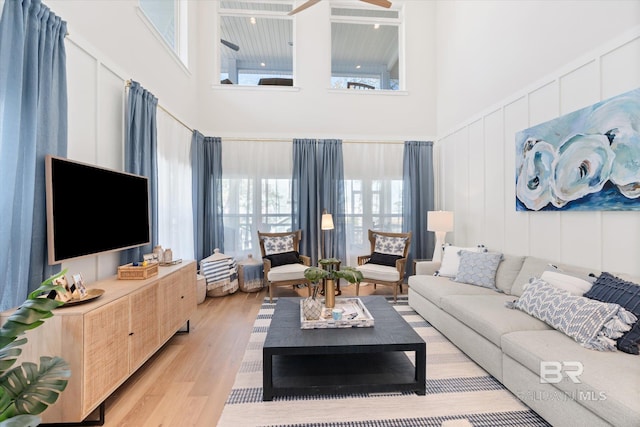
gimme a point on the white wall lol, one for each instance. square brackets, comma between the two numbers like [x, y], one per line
[312, 110]
[488, 50]
[478, 164]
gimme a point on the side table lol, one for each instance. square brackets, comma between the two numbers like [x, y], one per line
[250, 275]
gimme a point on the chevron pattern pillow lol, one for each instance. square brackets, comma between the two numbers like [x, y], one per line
[594, 324]
[478, 268]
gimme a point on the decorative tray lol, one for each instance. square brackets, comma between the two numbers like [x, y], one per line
[355, 315]
[92, 294]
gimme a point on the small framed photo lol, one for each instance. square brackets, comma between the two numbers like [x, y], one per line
[78, 282]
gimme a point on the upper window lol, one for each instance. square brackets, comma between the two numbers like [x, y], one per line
[365, 48]
[256, 43]
[167, 17]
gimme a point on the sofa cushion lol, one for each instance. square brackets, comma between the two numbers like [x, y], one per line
[383, 273]
[487, 315]
[609, 383]
[572, 284]
[384, 259]
[534, 267]
[478, 268]
[594, 324]
[287, 272]
[390, 245]
[283, 258]
[508, 271]
[434, 288]
[278, 244]
[609, 288]
[451, 259]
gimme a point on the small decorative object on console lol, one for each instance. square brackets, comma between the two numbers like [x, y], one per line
[137, 272]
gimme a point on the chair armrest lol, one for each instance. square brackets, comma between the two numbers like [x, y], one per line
[305, 260]
[427, 268]
[362, 259]
[266, 266]
[400, 266]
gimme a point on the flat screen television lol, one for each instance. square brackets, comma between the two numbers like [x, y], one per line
[92, 210]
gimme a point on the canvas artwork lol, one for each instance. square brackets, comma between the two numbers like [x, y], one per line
[585, 160]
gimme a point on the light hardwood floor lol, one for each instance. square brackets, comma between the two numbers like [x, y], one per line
[187, 381]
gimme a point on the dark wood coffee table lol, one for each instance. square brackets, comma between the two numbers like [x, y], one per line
[341, 361]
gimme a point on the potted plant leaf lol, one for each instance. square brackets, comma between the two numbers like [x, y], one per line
[28, 389]
[330, 274]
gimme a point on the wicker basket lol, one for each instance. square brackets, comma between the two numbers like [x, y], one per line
[139, 272]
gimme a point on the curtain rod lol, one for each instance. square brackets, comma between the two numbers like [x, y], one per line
[344, 141]
[128, 84]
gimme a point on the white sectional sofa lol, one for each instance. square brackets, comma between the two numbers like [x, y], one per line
[510, 345]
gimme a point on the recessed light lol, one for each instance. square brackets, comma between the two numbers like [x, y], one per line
[357, 67]
[262, 64]
[376, 26]
[252, 20]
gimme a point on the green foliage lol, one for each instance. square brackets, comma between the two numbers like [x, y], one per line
[316, 274]
[29, 389]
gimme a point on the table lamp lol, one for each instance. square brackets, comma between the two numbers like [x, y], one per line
[325, 224]
[440, 222]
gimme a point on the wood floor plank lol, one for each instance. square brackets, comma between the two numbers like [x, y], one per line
[187, 382]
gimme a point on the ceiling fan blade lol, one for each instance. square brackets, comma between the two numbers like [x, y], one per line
[230, 45]
[381, 3]
[303, 6]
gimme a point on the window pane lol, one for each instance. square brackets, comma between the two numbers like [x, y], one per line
[256, 49]
[162, 13]
[365, 50]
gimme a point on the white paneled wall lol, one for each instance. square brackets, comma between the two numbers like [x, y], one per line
[477, 177]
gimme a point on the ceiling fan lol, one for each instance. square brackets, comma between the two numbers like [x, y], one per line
[309, 3]
[230, 45]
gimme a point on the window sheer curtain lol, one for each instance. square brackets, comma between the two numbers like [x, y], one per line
[33, 122]
[208, 225]
[373, 193]
[175, 210]
[141, 156]
[256, 193]
[418, 197]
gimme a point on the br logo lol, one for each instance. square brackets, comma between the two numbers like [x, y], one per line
[551, 372]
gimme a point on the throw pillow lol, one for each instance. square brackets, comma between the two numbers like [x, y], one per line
[383, 259]
[594, 324]
[278, 245]
[390, 245]
[478, 268]
[451, 259]
[283, 258]
[572, 284]
[609, 288]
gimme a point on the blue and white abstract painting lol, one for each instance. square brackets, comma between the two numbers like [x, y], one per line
[585, 160]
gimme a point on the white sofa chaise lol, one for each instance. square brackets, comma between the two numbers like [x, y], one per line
[510, 345]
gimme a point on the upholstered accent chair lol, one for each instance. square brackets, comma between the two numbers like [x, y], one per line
[283, 265]
[387, 262]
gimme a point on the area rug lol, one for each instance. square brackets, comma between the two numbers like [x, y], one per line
[458, 392]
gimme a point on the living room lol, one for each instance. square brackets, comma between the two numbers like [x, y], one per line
[475, 73]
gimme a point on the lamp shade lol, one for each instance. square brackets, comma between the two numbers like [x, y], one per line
[327, 222]
[440, 221]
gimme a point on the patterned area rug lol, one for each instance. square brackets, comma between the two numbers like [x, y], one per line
[459, 392]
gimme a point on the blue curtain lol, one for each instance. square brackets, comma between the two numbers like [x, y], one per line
[33, 122]
[208, 225]
[331, 191]
[141, 156]
[318, 184]
[417, 198]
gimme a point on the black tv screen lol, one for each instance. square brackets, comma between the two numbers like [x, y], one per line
[91, 210]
